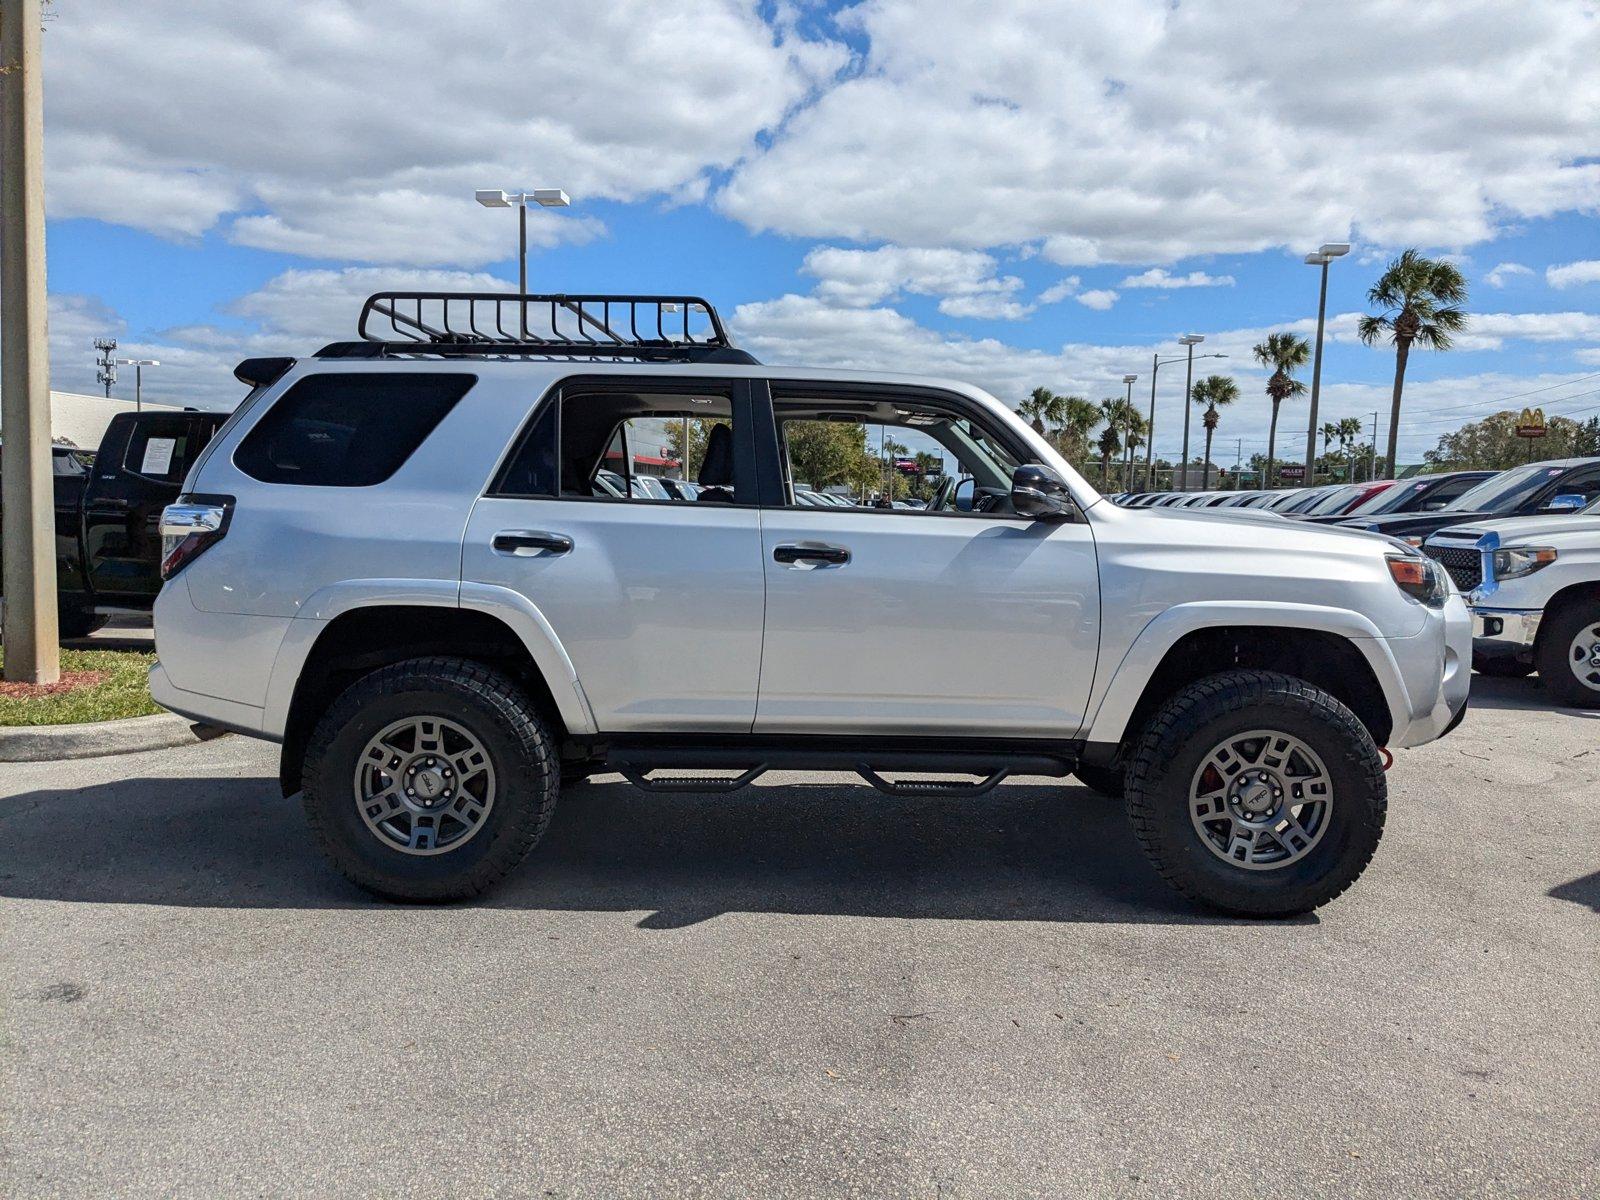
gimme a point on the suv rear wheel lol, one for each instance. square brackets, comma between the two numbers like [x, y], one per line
[430, 780]
[1568, 656]
[1257, 794]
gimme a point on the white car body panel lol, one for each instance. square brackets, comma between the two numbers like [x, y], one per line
[962, 624]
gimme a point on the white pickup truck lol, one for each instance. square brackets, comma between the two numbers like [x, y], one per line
[1533, 584]
[401, 560]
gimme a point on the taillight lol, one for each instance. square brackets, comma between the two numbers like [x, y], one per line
[190, 527]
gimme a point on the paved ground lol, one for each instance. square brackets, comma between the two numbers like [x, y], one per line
[804, 990]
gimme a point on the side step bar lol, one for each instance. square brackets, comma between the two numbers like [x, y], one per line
[743, 766]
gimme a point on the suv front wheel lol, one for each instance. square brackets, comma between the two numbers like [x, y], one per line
[1257, 794]
[430, 780]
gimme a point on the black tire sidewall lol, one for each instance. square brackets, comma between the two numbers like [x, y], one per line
[1555, 643]
[1340, 855]
[524, 790]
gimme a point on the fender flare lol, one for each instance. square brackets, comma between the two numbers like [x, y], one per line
[1109, 722]
[511, 608]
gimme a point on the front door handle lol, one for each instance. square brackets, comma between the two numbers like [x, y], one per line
[818, 552]
[524, 542]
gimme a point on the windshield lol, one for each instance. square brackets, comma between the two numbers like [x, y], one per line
[1504, 491]
[1388, 499]
[1333, 501]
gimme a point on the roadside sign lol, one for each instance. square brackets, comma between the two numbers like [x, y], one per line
[1292, 471]
[1531, 423]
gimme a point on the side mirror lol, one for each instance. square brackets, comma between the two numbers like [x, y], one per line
[1565, 502]
[1038, 492]
[966, 492]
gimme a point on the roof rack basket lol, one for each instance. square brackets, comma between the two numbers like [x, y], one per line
[490, 324]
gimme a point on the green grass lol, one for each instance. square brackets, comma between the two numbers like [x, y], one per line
[125, 691]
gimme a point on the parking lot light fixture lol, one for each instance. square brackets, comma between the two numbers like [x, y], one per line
[1320, 258]
[138, 365]
[545, 198]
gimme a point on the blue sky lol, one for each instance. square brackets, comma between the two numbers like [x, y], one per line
[1018, 195]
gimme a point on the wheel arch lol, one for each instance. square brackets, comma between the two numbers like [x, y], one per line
[1341, 654]
[324, 654]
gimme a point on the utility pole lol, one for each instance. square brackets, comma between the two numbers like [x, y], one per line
[1372, 470]
[27, 494]
[107, 373]
[1238, 465]
[1190, 340]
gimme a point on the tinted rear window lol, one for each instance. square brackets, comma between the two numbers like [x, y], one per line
[348, 430]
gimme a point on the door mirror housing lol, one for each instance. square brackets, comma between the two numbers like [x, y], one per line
[1565, 502]
[1038, 492]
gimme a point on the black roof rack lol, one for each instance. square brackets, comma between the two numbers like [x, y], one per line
[490, 324]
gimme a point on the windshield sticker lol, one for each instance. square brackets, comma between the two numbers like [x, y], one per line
[157, 456]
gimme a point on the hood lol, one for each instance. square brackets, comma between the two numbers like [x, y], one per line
[1232, 518]
[1520, 529]
[1414, 524]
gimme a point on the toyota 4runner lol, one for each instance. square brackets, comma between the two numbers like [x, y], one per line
[426, 562]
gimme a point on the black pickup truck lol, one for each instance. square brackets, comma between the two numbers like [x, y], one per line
[108, 512]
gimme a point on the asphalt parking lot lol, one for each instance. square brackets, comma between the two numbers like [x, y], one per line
[805, 989]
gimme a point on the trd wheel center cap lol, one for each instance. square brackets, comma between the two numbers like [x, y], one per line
[1255, 796]
[428, 785]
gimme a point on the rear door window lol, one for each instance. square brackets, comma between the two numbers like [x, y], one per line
[160, 449]
[348, 429]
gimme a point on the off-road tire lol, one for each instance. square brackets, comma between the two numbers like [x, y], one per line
[1172, 746]
[1555, 642]
[1501, 666]
[1108, 781]
[485, 702]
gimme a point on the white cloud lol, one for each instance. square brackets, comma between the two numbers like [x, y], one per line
[1099, 299]
[358, 130]
[803, 330]
[965, 279]
[1060, 291]
[1504, 272]
[1572, 274]
[1156, 277]
[1158, 131]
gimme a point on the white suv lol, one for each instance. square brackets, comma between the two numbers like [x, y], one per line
[399, 559]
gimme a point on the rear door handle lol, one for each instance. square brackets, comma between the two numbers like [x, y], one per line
[791, 553]
[525, 542]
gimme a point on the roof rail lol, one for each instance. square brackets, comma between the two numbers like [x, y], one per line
[490, 324]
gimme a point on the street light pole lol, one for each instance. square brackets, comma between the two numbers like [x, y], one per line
[1190, 340]
[1324, 256]
[138, 365]
[545, 198]
[31, 628]
[1156, 363]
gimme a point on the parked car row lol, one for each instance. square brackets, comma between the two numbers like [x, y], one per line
[1521, 545]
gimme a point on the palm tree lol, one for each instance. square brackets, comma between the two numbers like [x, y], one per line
[1042, 408]
[1109, 445]
[1211, 393]
[1077, 419]
[1422, 300]
[1349, 431]
[1134, 429]
[1283, 352]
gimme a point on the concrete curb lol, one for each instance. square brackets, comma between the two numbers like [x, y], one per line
[97, 739]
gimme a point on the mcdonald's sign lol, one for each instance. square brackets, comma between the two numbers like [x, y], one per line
[1531, 423]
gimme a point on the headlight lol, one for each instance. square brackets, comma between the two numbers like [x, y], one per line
[1420, 578]
[1515, 561]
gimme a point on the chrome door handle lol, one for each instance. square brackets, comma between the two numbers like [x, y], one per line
[525, 542]
[791, 553]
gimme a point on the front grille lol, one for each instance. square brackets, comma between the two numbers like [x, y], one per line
[1463, 564]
